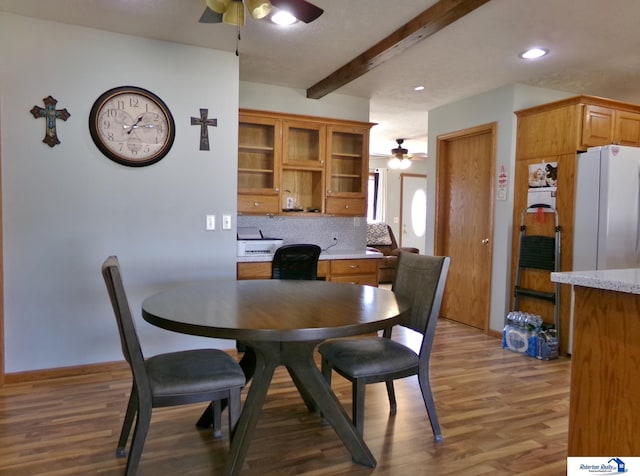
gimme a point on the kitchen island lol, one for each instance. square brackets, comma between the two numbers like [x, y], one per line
[604, 413]
[349, 266]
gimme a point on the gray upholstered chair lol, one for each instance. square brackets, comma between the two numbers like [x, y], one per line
[171, 379]
[381, 359]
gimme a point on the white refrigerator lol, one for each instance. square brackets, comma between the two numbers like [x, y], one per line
[606, 233]
[606, 226]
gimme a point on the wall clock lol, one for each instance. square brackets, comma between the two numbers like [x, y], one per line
[132, 126]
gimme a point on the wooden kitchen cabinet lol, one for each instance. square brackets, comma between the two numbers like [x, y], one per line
[605, 125]
[304, 143]
[557, 132]
[259, 164]
[355, 271]
[347, 170]
[300, 165]
[358, 271]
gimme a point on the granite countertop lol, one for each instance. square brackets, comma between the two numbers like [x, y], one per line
[325, 255]
[620, 280]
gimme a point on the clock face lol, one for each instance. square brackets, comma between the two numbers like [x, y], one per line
[132, 126]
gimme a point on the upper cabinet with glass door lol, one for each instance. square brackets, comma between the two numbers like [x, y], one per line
[303, 144]
[301, 164]
[259, 157]
[347, 170]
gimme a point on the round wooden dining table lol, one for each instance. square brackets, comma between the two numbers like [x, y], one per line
[281, 321]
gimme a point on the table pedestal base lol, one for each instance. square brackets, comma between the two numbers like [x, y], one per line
[298, 358]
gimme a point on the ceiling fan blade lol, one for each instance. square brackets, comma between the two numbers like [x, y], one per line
[209, 16]
[301, 9]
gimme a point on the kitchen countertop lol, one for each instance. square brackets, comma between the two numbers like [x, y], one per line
[325, 255]
[620, 280]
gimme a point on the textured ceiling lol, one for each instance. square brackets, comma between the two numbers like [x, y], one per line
[595, 49]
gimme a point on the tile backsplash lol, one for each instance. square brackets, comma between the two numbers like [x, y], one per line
[350, 231]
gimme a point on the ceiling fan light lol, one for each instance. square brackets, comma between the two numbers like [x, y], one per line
[283, 17]
[405, 164]
[259, 8]
[394, 163]
[218, 6]
[234, 14]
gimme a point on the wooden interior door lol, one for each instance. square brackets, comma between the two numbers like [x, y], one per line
[464, 221]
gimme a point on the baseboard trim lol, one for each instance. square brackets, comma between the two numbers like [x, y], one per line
[46, 374]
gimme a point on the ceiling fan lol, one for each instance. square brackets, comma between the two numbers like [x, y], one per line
[232, 11]
[400, 157]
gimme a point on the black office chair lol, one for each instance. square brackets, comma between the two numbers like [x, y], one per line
[380, 359]
[171, 379]
[298, 261]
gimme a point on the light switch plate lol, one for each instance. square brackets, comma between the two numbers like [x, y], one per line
[210, 223]
[226, 222]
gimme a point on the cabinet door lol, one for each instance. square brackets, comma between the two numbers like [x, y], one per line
[597, 126]
[259, 155]
[348, 154]
[627, 128]
[304, 143]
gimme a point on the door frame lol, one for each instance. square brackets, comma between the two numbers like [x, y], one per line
[441, 208]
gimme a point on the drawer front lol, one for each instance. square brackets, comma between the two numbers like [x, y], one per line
[346, 206]
[354, 267]
[259, 270]
[257, 204]
[323, 269]
[367, 279]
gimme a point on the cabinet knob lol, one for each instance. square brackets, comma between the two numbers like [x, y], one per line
[277, 189]
[346, 206]
[256, 204]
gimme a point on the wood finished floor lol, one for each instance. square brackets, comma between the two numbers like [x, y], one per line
[501, 414]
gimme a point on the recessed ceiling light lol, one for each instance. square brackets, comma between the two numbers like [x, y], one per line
[533, 53]
[418, 88]
[283, 18]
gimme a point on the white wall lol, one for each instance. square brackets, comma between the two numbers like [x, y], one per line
[66, 208]
[275, 98]
[493, 106]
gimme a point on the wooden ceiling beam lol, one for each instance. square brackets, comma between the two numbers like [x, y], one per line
[429, 22]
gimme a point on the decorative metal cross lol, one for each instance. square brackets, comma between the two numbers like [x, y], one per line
[51, 114]
[203, 122]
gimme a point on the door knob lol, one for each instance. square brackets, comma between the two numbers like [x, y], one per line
[485, 241]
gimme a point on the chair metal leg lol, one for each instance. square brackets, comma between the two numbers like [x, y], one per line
[216, 409]
[132, 408]
[357, 412]
[427, 396]
[392, 397]
[327, 370]
[140, 431]
[234, 410]
[248, 364]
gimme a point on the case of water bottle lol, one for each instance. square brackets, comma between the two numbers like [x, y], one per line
[527, 334]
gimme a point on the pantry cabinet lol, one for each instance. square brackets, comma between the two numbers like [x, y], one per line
[555, 133]
[299, 165]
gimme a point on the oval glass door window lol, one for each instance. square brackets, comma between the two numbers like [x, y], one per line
[419, 212]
